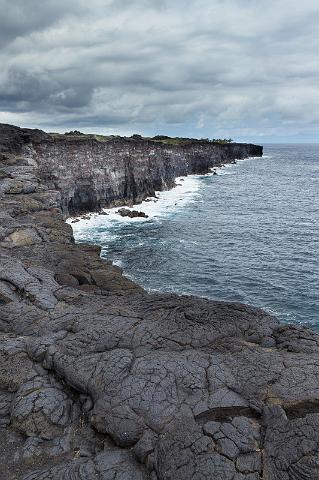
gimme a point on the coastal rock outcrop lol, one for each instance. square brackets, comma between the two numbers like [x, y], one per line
[92, 174]
[99, 379]
[125, 212]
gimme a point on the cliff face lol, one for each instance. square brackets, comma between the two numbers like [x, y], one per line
[92, 174]
[101, 380]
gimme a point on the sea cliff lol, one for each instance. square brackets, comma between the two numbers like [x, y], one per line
[94, 173]
[99, 379]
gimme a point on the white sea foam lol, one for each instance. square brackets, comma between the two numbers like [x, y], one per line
[166, 203]
[118, 263]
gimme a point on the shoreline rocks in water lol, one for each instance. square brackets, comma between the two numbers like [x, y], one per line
[125, 212]
[99, 378]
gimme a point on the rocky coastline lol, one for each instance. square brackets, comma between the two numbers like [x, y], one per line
[101, 380]
[135, 167]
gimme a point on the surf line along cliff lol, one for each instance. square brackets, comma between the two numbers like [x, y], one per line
[99, 379]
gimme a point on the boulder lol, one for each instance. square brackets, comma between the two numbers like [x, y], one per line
[125, 212]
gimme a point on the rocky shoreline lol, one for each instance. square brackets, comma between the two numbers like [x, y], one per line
[135, 167]
[99, 379]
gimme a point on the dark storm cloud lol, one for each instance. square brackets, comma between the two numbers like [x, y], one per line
[19, 18]
[199, 67]
[24, 90]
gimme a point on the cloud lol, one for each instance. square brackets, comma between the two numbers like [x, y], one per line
[22, 18]
[231, 67]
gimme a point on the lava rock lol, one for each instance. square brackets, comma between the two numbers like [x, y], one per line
[98, 378]
[125, 212]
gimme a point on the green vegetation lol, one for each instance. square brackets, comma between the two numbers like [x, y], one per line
[184, 141]
[163, 139]
[222, 140]
[75, 135]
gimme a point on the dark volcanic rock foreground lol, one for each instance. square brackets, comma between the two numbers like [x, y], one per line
[100, 380]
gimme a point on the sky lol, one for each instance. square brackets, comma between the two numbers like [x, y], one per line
[204, 68]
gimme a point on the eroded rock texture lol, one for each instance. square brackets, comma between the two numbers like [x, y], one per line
[100, 380]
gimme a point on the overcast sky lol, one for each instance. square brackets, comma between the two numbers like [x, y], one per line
[244, 69]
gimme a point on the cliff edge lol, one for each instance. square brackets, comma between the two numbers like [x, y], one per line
[99, 379]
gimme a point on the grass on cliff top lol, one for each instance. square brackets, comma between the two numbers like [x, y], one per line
[163, 139]
[83, 136]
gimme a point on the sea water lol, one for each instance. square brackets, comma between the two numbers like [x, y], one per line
[247, 234]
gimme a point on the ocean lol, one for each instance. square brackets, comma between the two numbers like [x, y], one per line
[247, 234]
